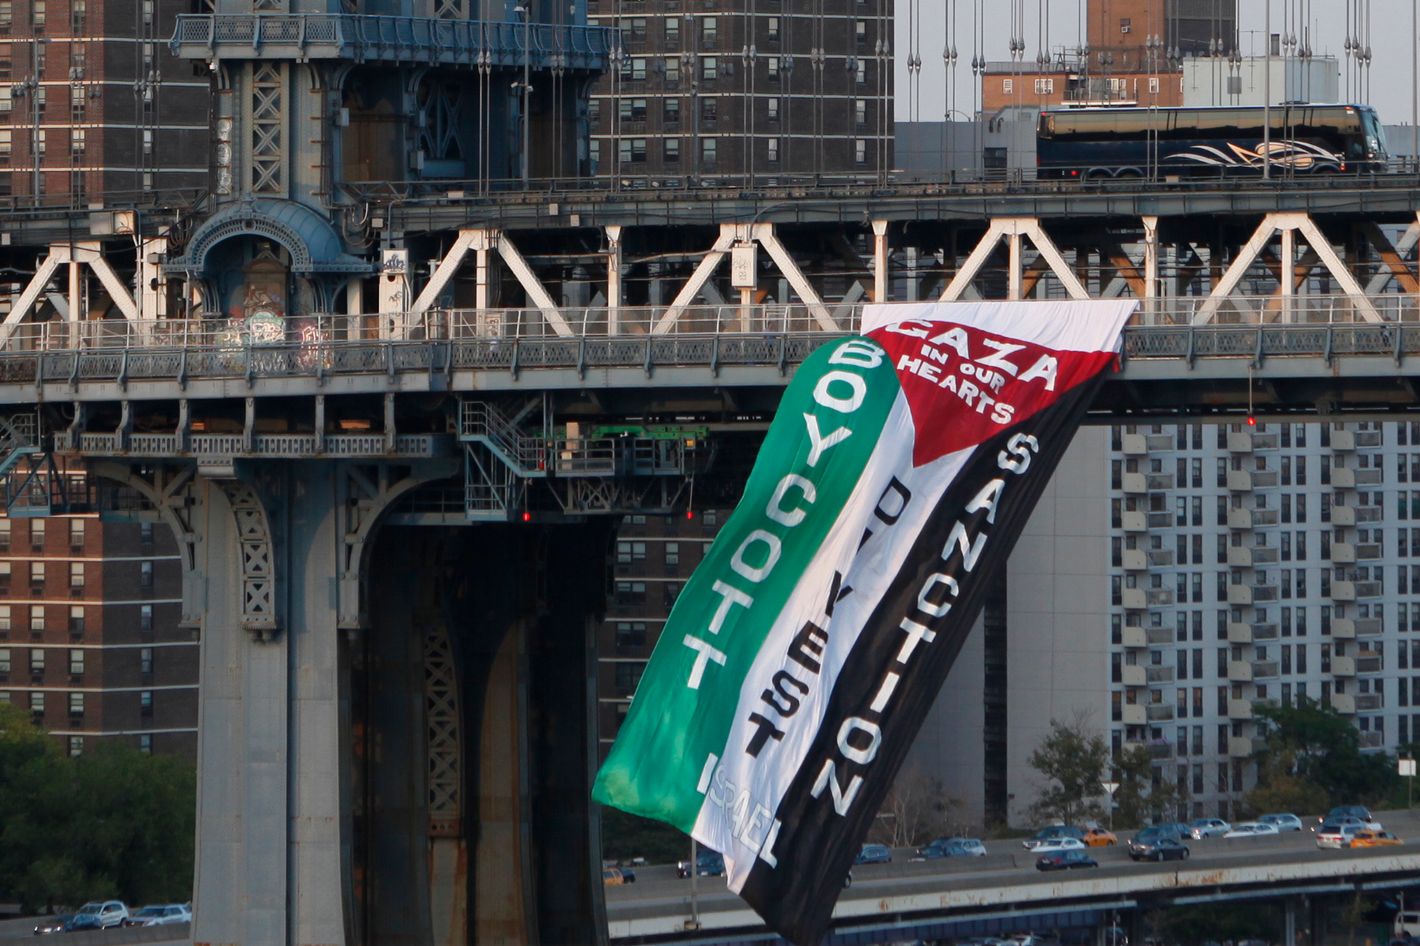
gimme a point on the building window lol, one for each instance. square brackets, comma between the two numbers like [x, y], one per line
[1008, 86]
[5, 662]
[709, 32]
[7, 14]
[76, 576]
[4, 576]
[860, 150]
[630, 635]
[632, 110]
[37, 664]
[145, 617]
[860, 33]
[709, 111]
[632, 150]
[860, 112]
[78, 16]
[145, 702]
[37, 15]
[37, 619]
[5, 523]
[627, 676]
[76, 706]
[773, 106]
[76, 621]
[1044, 86]
[77, 143]
[145, 744]
[672, 70]
[1153, 85]
[145, 535]
[772, 28]
[4, 620]
[672, 554]
[37, 530]
[773, 150]
[145, 576]
[672, 151]
[37, 577]
[76, 661]
[672, 31]
[709, 68]
[145, 661]
[708, 151]
[76, 526]
[76, 746]
[37, 706]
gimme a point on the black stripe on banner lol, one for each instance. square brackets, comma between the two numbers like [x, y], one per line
[816, 841]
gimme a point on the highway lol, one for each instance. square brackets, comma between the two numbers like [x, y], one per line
[1008, 875]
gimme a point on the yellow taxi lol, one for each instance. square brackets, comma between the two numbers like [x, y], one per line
[1374, 839]
[1099, 837]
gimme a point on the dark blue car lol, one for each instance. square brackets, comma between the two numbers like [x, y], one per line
[874, 854]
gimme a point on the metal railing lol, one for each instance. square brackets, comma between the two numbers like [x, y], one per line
[589, 339]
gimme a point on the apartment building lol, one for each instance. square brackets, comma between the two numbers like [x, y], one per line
[94, 108]
[89, 636]
[710, 89]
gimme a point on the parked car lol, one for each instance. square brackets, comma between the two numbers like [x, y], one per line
[54, 924]
[1251, 829]
[1057, 845]
[1335, 835]
[171, 914]
[1159, 848]
[1282, 821]
[1360, 812]
[98, 915]
[707, 864]
[1100, 837]
[1066, 859]
[874, 854]
[1053, 833]
[1374, 839]
[1201, 828]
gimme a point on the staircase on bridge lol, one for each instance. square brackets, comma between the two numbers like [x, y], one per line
[589, 468]
[32, 484]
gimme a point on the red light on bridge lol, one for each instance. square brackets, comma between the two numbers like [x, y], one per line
[690, 514]
[1251, 421]
[527, 516]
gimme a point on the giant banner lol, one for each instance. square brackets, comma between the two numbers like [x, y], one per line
[798, 662]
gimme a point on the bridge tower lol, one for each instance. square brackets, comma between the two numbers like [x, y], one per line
[373, 774]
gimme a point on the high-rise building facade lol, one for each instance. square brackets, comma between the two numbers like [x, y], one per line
[94, 107]
[710, 89]
[89, 636]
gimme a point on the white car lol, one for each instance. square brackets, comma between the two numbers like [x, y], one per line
[1283, 821]
[160, 914]
[1251, 829]
[1059, 844]
[1200, 828]
[1337, 835]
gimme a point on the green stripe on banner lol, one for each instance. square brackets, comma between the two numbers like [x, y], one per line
[823, 435]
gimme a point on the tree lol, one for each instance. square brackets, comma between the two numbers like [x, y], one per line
[110, 823]
[1319, 747]
[1072, 761]
[916, 810]
[1280, 788]
[1143, 794]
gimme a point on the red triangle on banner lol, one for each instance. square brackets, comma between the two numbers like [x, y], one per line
[965, 385]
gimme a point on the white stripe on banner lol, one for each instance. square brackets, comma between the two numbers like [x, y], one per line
[739, 809]
[1065, 325]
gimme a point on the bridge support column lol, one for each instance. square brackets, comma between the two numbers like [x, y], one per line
[880, 261]
[1289, 922]
[613, 280]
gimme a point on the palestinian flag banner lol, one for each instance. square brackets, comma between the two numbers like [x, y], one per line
[799, 660]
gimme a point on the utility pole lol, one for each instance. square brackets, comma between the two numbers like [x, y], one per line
[525, 9]
[1267, 97]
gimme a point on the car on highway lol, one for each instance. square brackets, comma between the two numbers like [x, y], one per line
[53, 924]
[172, 914]
[1053, 833]
[1158, 848]
[1066, 859]
[1332, 834]
[874, 854]
[1252, 829]
[950, 847]
[1100, 837]
[1374, 839]
[1200, 828]
[98, 915]
[1360, 813]
[1057, 845]
[1282, 821]
[616, 877]
[707, 864]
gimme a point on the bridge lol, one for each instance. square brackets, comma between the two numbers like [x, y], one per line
[1003, 893]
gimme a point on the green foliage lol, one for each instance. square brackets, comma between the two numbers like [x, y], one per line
[1313, 754]
[1219, 922]
[1144, 795]
[112, 823]
[1073, 763]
